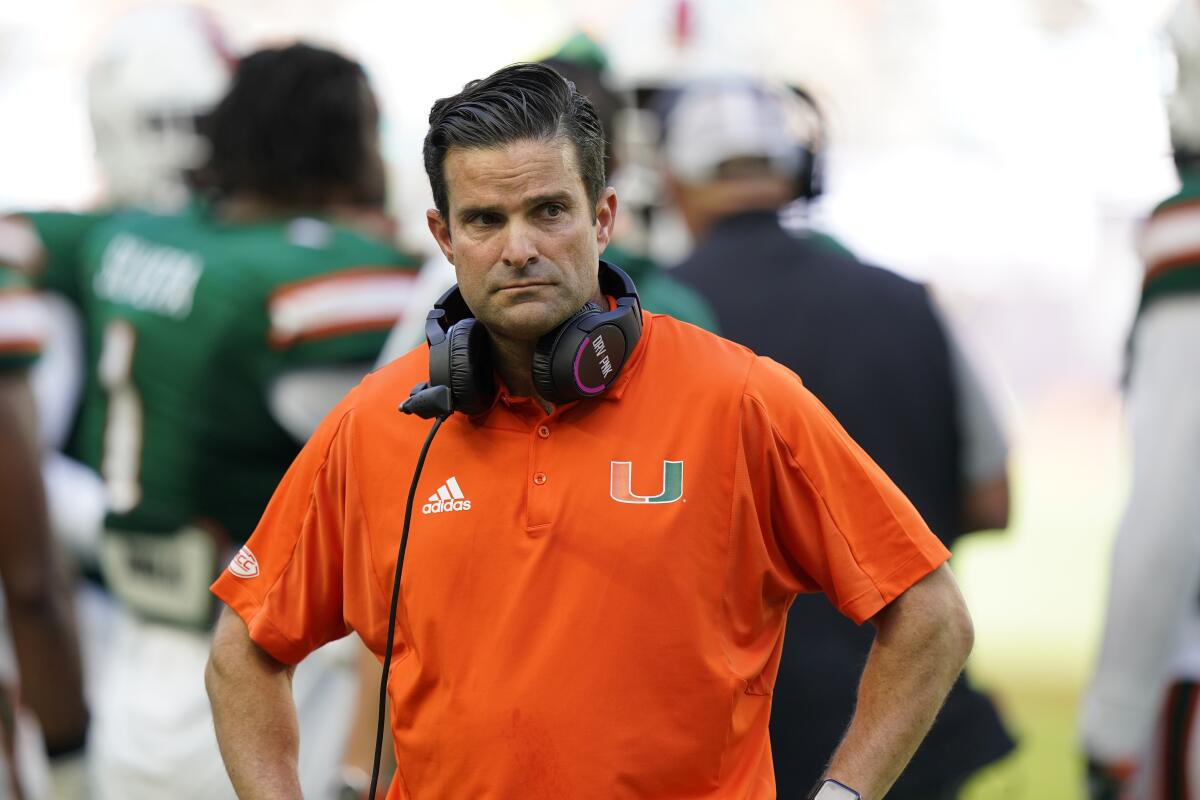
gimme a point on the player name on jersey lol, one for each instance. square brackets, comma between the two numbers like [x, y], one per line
[148, 277]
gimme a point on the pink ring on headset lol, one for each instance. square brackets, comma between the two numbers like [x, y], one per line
[578, 380]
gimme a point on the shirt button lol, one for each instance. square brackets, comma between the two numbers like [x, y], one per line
[544, 431]
[539, 478]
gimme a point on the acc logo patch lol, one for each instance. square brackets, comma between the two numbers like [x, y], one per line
[244, 564]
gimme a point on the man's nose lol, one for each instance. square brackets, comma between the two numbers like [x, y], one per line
[520, 248]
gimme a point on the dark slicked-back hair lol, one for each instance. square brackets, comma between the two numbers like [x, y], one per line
[298, 127]
[522, 101]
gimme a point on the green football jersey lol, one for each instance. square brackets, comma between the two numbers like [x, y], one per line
[190, 321]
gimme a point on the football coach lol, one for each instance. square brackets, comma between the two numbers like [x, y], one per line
[618, 517]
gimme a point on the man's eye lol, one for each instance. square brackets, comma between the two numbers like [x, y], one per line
[485, 219]
[553, 210]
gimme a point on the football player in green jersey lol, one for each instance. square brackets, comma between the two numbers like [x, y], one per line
[216, 338]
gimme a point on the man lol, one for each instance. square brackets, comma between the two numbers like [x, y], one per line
[571, 624]
[1138, 721]
[872, 349]
[221, 335]
[39, 652]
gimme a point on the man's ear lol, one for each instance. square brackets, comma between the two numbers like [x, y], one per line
[441, 233]
[606, 217]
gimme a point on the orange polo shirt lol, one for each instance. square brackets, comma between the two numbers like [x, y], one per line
[593, 600]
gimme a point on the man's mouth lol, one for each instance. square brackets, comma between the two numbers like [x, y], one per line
[523, 285]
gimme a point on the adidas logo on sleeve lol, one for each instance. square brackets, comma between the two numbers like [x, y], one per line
[448, 497]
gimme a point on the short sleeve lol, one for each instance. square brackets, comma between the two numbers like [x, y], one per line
[23, 322]
[339, 316]
[287, 582]
[831, 520]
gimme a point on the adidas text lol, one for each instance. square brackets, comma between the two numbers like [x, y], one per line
[448, 497]
[446, 505]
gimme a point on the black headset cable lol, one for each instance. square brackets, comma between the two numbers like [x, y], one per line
[391, 630]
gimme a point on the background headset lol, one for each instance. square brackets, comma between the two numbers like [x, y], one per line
[810, 175]
[582, 357]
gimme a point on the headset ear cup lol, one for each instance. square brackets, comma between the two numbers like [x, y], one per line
[472, 381]
[543, 356]
[543, 365]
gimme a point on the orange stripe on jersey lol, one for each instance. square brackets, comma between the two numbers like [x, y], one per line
[1171, 238]
[1187, 205]
[1157, 270]
[329, 332]
[331, 278]
[367, 298]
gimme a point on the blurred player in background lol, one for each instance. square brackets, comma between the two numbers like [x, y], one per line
[1149, 662]
[40, 667]
[157, 70]
[216, 339]
[870, 345]
[154, 74]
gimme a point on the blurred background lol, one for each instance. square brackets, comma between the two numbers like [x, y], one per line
[1005, 153]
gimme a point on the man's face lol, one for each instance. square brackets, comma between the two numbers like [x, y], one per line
[522, 236]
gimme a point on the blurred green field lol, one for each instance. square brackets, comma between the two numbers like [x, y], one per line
[1037, 591]
[1046, 763]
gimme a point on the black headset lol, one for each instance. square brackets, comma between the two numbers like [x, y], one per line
[810, 176]
[580, 358]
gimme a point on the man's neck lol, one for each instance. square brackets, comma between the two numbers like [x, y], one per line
[246, 208]
[514, 363]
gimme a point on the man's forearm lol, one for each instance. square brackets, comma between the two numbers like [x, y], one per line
[254, 714]
[922, 642]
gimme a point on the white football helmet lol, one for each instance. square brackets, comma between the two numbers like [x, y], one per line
[159, 68]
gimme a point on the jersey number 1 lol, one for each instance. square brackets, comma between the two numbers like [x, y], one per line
[121, 463]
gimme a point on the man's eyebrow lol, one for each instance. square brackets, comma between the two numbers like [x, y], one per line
[467, 212]
[562, 198]
[537, 201]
